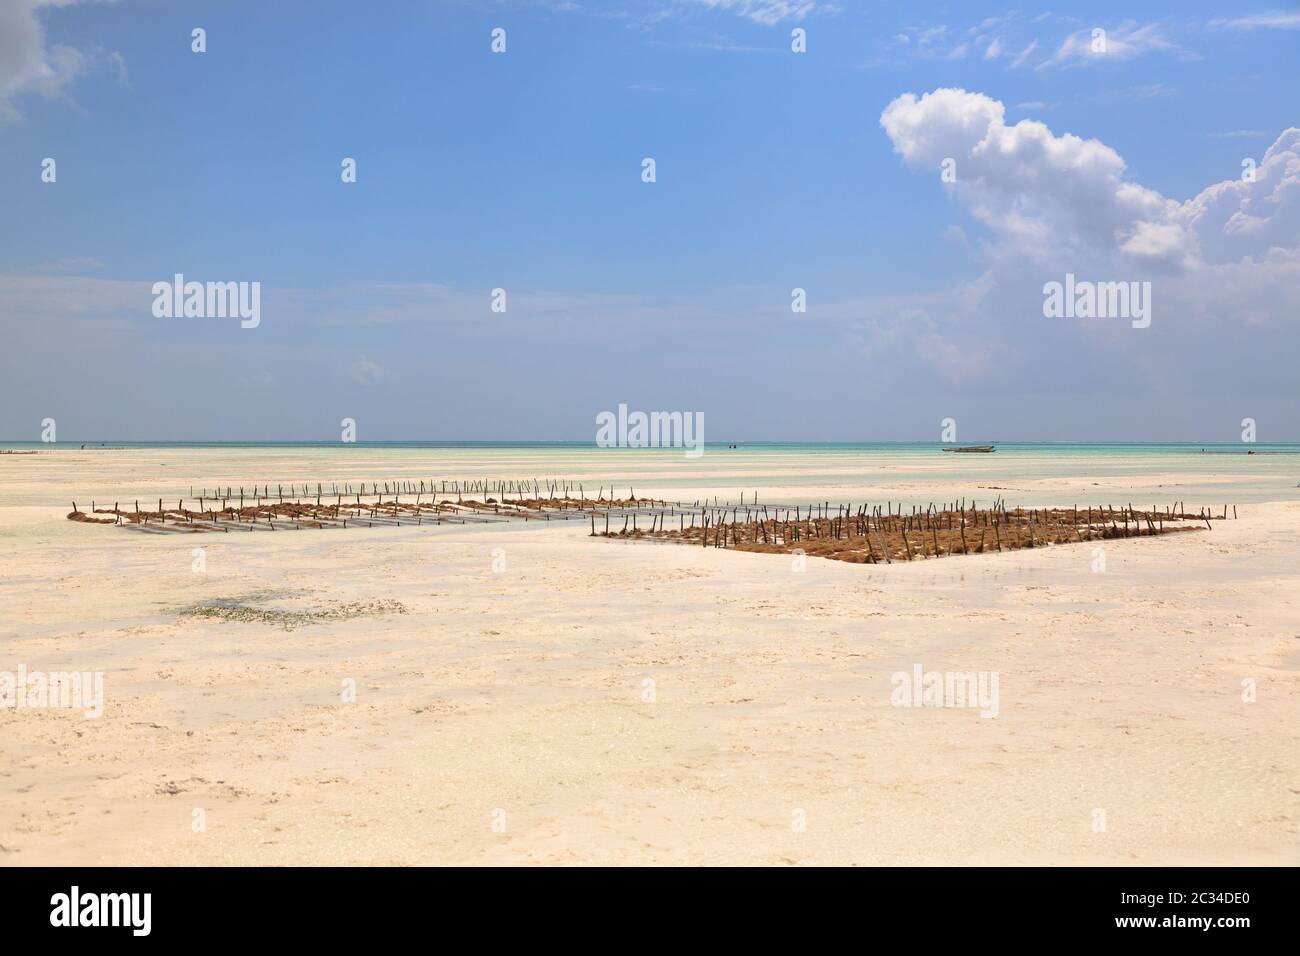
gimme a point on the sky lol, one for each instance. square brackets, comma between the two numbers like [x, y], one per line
[921, 171]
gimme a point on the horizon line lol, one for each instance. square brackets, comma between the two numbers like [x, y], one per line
[593, 444]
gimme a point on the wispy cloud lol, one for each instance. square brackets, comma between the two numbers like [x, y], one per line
[1100, 45]
[1149, 91]
[1016, 41]
[72, 264]
[1276, 20]
[770, 12]
[724, 45]
[1024, 54]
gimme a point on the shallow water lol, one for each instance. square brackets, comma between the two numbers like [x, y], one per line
[1023, 474]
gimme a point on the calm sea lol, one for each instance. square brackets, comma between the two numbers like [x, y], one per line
[1024, 473]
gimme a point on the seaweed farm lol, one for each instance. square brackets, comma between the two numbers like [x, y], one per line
[863, 533]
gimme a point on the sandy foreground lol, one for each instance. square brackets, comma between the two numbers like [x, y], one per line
[532, 695]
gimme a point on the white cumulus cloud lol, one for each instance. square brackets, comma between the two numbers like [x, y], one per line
[1055, 203]
[1040, 192]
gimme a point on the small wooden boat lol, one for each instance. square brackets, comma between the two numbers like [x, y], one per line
[972, 448]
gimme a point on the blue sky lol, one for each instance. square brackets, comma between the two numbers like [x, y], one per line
[522, 170]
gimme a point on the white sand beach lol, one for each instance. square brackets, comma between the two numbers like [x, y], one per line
[528, 694]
